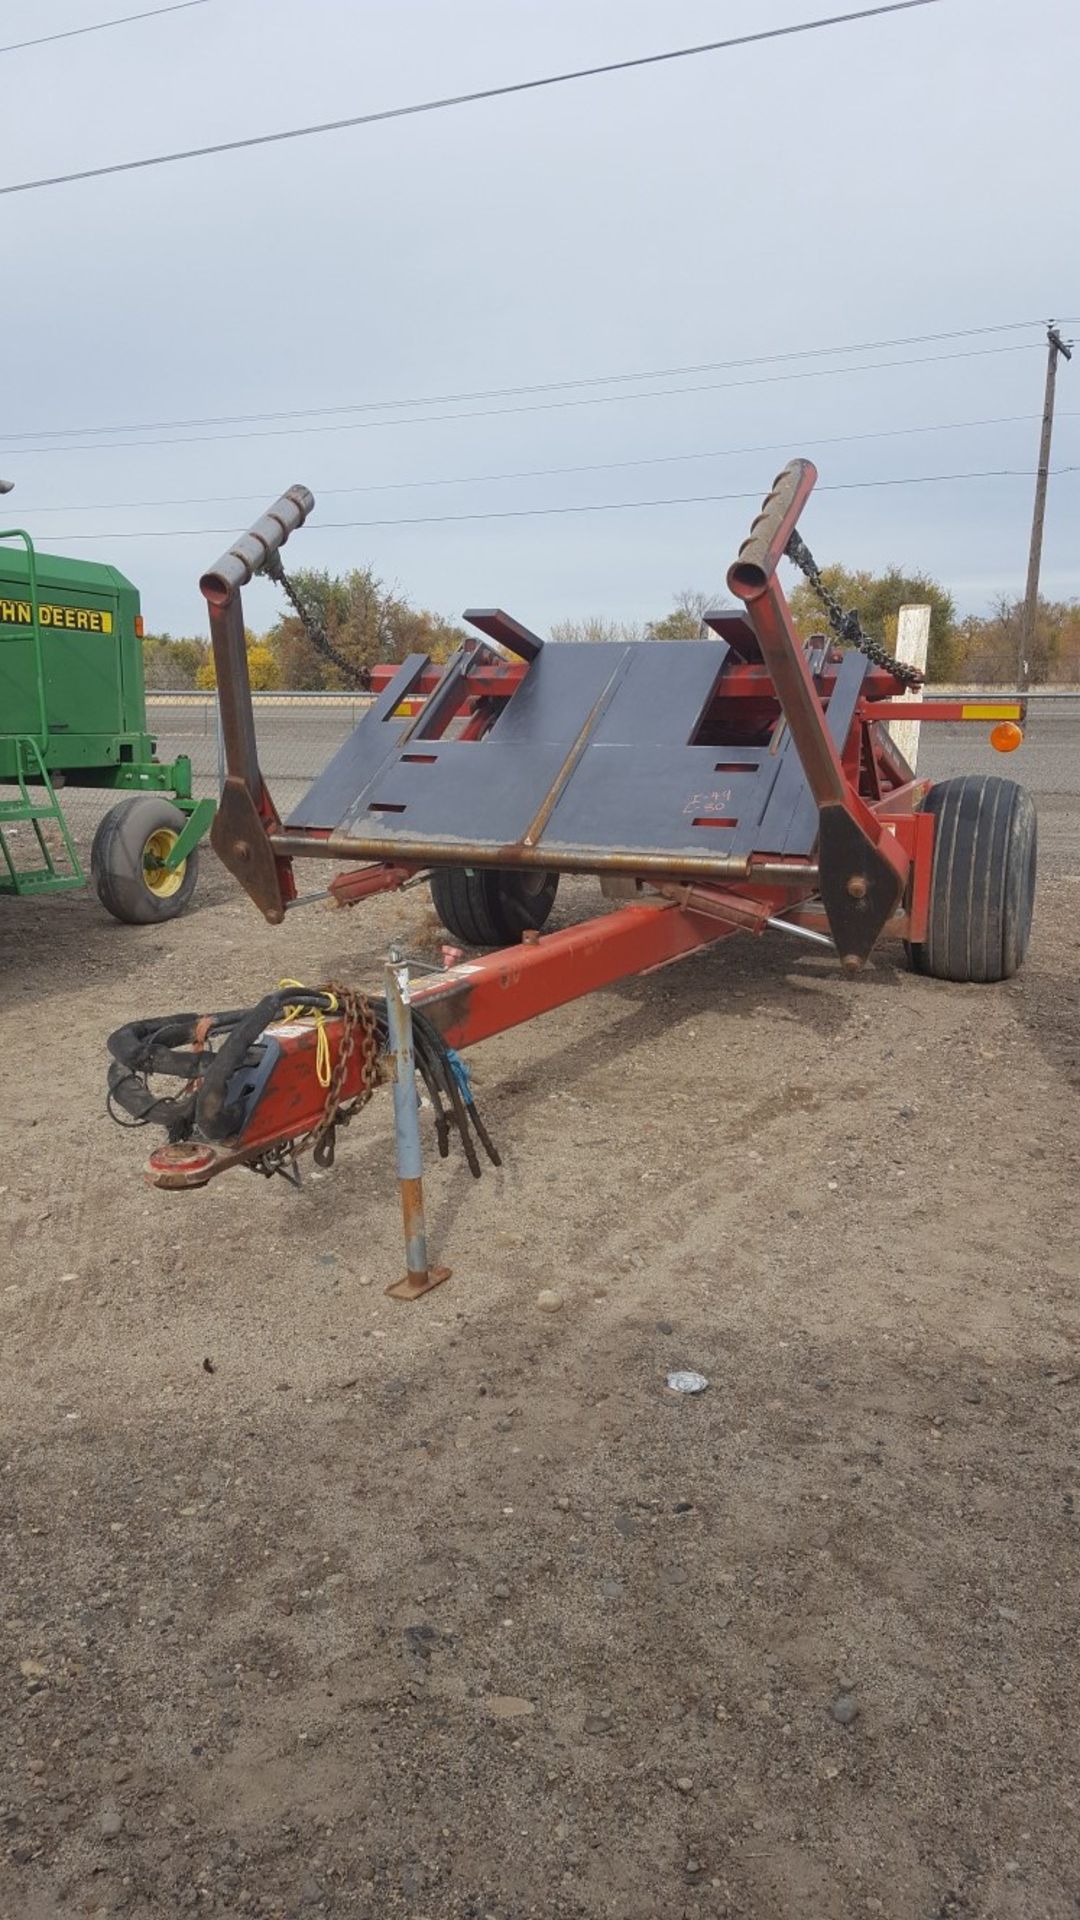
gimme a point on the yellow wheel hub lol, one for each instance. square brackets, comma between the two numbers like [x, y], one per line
[162, 881]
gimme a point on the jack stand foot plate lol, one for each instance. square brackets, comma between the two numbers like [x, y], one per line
[415, 1285]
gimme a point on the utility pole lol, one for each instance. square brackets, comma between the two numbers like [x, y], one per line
[1055, 346]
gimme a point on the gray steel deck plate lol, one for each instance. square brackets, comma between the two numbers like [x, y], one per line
[594, 753]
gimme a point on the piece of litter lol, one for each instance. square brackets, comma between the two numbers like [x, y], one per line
[684, 1381]
[508, 1706]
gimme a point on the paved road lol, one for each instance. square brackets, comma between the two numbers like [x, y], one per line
[1048, 764]
[297, 739]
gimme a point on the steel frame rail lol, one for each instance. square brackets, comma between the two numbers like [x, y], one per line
[468, 1002]
[863, 865]
[871, 873]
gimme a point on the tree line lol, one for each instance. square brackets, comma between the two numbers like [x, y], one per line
[362, 619]
[365, 621]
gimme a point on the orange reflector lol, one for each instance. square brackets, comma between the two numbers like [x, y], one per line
[140, 627]
[1006, 736]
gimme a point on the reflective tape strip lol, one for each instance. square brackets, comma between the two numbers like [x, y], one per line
[995, 712]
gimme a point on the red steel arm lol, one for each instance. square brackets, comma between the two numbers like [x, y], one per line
[863, 867]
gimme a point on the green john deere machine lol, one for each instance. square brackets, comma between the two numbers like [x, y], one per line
[73, 714]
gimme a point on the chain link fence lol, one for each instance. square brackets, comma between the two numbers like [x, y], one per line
[298, 733]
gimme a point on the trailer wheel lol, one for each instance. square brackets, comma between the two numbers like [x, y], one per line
[982, 885]
[492, 906]
[127, 861]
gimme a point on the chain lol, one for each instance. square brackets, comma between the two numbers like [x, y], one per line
[357, 1024]
[847, 626]
[313, 629]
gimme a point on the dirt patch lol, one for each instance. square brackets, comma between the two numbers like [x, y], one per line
[453, 1609]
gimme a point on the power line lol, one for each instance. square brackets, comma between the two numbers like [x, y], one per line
[545, 406]
[99, 26]
[606, 506]
[810, 440]
[510, 393]
[466, 99]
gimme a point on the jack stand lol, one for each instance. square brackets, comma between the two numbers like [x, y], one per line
[419, 1277]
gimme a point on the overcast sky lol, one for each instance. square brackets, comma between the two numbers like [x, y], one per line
[908, 175]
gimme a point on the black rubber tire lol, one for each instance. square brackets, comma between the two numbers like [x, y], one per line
[982, 885]
[117, 861]
[492, 906]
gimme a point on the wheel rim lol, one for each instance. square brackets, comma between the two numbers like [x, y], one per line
[162, 881]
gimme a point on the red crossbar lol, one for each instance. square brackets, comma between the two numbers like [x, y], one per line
[496, 990]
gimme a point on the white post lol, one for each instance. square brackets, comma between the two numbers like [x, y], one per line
[912, 644]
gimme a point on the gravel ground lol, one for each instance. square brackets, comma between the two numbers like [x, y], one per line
[314, 1603]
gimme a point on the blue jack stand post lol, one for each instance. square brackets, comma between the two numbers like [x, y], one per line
[419, 1278]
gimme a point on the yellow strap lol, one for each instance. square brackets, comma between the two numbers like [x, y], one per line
[323, 1063]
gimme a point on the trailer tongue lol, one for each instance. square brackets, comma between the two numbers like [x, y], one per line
[731, 784]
